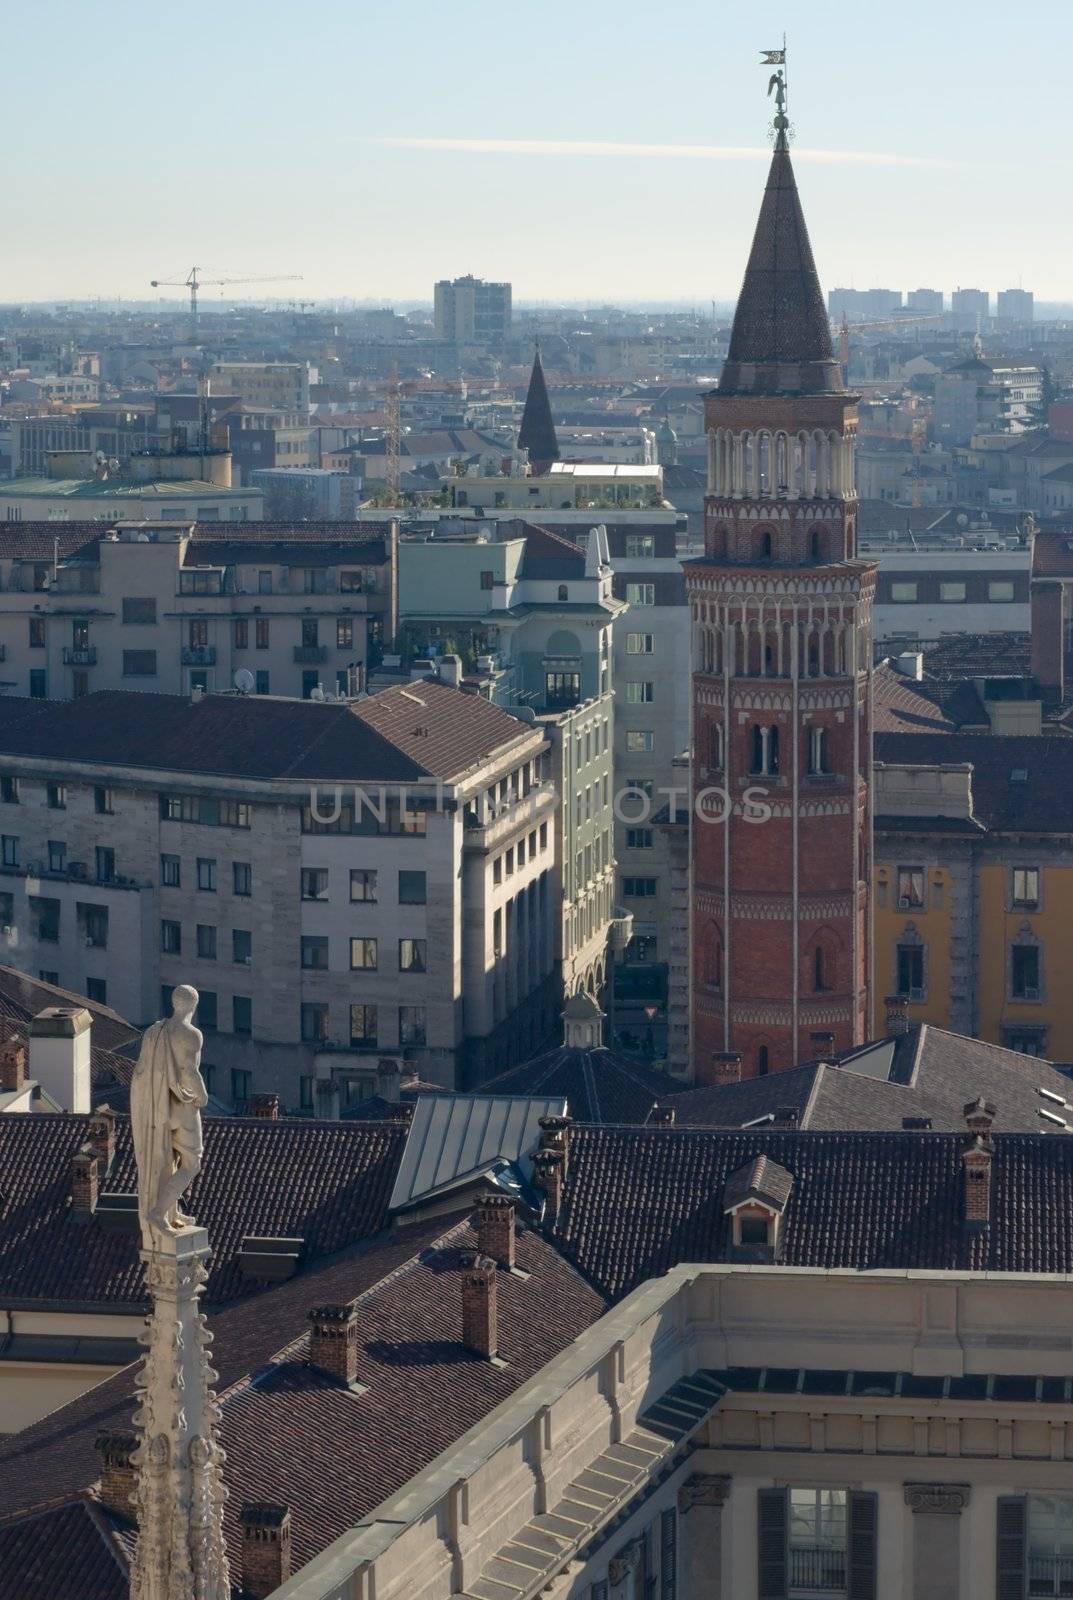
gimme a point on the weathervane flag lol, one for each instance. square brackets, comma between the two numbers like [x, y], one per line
[773, 58]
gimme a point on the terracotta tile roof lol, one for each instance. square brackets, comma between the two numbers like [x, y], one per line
[1019, 782]
[598, 1085]
[549, 554]
[114, 1041]
[325, 1182]
[64, 1552]
[230, 541]
[255, 736]
[293, 1437]
[1052, 551]
[899, 705]
[781, 338]
[927, 1072]
[638, 1201]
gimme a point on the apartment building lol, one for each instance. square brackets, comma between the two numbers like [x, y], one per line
[340, 881]
[283, 609]
[530, 615]
[266, 385]
[924, 594]
[469, 311]
[974, 885]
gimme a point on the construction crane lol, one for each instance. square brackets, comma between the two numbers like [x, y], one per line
[194, 283]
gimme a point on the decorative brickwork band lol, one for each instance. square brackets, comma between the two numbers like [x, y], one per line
[940, 1499]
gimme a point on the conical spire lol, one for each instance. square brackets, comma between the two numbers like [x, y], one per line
[781, 339]
[537, 432]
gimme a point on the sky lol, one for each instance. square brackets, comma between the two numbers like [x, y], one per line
[582, 149]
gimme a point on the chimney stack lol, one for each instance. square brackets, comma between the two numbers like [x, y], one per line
[102, 1138]
[724, 1067]
[897, 1020]
[785, 1117]
[115, 1451]
[333, 1343]
[266, 1548]
[264, 1106]
[85, 1175]
[663, 1116]
[60, 1055]
[977, 1161]
[555, 1135]
[12, 1065]
[548, 1175]
[480, 1321]
[823, 1045]
[495, 1228]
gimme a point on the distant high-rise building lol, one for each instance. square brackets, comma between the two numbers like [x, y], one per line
[470, 311]
[863, 304]
[1015, 305]
[924, 300]
[970, 308]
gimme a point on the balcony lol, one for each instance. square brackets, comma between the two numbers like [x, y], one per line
[510, 818]
[199, 655]
[817, 1570]
[311, 653]
[80, 658]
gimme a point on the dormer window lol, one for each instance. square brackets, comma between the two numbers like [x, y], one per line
[757, 1228]
[754, 1201]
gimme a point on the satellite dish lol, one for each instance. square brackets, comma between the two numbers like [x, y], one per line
[244, 680]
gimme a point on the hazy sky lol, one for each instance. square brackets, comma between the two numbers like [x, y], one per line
[583, 149]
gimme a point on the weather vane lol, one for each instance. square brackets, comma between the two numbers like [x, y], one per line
[777, 86]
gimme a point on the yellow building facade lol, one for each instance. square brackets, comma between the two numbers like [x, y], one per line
[975, 930]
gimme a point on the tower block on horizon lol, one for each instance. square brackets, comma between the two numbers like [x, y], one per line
[782, 661]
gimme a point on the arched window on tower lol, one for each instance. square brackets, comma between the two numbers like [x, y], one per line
[713, 959]
[822, 975]
[762, 1061]
[817, 752]
[715, 747]
[765, 750]
[767, 545]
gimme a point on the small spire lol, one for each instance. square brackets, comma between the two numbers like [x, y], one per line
[777, 85]
[537, 432]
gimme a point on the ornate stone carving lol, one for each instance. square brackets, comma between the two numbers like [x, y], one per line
[180, 1494]
[628, 1560]
[704, 1489]
[940, 1499]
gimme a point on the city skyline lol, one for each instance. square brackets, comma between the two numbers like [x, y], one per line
[620, 167]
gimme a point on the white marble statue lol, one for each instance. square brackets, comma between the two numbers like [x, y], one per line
[167, 1093]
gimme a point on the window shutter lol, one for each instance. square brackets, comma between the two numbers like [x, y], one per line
[863, 1546]
[772, 1518]
[1011, 1527]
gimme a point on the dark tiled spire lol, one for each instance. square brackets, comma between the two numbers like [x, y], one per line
[537, 432]
[781, 339]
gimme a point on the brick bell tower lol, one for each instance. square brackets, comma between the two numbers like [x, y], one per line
[782, 656]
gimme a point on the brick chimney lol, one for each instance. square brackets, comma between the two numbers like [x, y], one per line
[555, 1135]
[333, 1342]
[976, 1163]
[85, 1178]
[480, 1320]
[663, 1116]
[115, 1451]
[495, 1228]
[12, 1066]
[102, 1137]
[897, 1018]
[264, 1106]
[548, 1175]
[724, 1067]
[823, 1045]
[266, 1548]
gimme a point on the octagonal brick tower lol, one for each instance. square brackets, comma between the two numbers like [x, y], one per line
[782, 654]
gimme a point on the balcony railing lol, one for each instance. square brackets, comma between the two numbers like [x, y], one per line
[1050, 1575]
[199, 655]
[817, 1570]
[80, 658]
[312, 653]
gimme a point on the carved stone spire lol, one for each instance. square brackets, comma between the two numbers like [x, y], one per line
[180, 1495]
